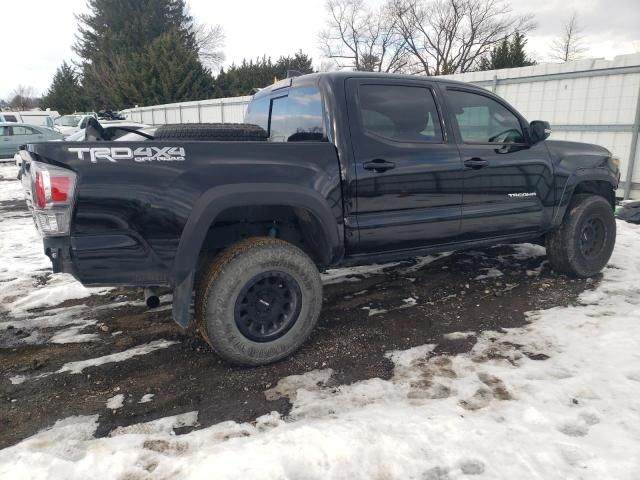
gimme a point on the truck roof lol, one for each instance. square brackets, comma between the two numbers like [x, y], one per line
[313, 79]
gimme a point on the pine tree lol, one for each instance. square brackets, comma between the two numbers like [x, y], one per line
[242, 79]
[508, 54]
[138, 52]
[65, 94]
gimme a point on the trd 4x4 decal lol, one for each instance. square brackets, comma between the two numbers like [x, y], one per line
[140, 154]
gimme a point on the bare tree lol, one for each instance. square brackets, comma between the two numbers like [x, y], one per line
[361, 38]
[23, 97]
[569, 46]
[209, 41]
[451, 36]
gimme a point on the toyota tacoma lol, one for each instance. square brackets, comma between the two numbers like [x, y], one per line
[328, 170]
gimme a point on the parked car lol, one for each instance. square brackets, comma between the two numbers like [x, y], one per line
[70, 124]
[12, 135]
[331, 169]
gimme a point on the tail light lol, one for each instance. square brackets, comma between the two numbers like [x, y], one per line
[52, 194]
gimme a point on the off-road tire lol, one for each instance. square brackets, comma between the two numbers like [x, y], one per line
[222, 282]
[239, 132]
[564, 246]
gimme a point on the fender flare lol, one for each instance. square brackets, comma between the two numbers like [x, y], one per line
[577, 177]
[214, 201]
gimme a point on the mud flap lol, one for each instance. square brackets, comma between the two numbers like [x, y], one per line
[182, 301]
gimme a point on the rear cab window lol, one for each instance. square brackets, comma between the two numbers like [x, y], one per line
[293, 115]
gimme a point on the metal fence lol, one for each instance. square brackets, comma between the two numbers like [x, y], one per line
[219, 110]
[594, 101]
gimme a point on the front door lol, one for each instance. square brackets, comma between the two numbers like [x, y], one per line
[508, 182]
[407, 166]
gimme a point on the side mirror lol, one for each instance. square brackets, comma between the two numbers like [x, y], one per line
[539, 130]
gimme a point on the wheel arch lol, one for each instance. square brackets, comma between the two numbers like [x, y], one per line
[590, 182]
[217, 200]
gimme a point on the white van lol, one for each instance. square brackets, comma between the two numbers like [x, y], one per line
[13, 117]
[42, 118]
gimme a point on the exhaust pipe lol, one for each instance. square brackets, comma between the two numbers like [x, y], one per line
[151, 297]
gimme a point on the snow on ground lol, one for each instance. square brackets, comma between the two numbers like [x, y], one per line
[25, 279]
[115, 402]
[565, 404]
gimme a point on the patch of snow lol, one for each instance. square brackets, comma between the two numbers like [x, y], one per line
[374, 311]
[115, 402]
[410, 302]
[79, 366]
[290, 386]
[424, 261]
[146, 398]
[353, 274]
[458, 335]
[164, 425]
[73, 335]
[17, 379]
[490, 273]
[528, 250]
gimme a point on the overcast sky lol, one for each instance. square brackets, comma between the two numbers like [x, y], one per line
[38, 34]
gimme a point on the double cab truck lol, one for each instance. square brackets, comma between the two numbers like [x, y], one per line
[329, 170]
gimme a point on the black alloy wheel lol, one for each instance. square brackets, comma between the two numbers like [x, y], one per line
[268, 306]
[592, 236]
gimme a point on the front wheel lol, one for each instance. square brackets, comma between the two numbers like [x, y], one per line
[258, 301]
[583, 244]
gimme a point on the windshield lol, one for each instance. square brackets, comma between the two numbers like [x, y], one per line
[68, 120]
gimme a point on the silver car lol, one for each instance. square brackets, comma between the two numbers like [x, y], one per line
[12, 135]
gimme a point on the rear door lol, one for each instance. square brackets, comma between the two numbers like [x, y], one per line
[6, 144]
[508, 183]
[407, 166]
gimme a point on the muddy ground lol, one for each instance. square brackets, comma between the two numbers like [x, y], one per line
[187, 376]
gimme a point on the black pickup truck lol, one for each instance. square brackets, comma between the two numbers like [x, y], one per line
[329, 170]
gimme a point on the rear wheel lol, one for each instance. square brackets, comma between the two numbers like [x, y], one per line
[583, 244]
[258, 301]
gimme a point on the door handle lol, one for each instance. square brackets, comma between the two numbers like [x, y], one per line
[378, 165]
[475, 163]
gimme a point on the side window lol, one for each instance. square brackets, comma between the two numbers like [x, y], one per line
[400, 113]
[297, 117]
[22, 130]
[4, 132]
[10, 118]
[258, 112]
[483, 120]
[83, 123]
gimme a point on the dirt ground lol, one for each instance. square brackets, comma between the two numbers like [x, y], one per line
[363, 317]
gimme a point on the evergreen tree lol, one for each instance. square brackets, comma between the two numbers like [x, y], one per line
[508, 54]
[242, 79]
[65, 94]
[140, 53]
